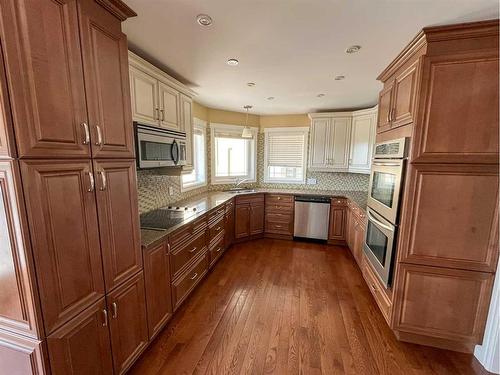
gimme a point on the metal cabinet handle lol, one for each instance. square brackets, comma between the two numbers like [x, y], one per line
[104, 181]
[218, 229]
[374, 288]
[168, 248]
[92, 182]
[193, 249]
[105, 313]
[114, 310]
[86, 140]
[194, 276]
[99, 136]
[157, 113]
[219, 249]
[162, 115]
[279, 198]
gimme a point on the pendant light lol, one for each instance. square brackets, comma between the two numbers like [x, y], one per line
[247, 132]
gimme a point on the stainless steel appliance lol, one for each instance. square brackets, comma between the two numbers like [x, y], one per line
[311, 217]
[384, 193]
[157, 147]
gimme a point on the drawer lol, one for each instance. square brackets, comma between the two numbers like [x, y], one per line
[279, 199]
[184, 284]
[279, 227]
[182, 255]
[279, 207]
[377, 289]
[215, 215]
[339, 201]
[251, 198]
[217, 227]
[280, 217]
[216, 250]
[186, 232]
[229, 206]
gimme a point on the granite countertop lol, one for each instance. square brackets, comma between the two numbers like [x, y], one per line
[208, 201]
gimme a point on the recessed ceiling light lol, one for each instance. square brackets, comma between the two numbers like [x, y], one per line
[270, 98]
[353, 49]
[320, 95]
[339, 78]
[204, 19]
[232, 62]
[251, 84]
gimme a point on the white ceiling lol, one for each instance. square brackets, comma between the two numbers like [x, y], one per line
[291, 49]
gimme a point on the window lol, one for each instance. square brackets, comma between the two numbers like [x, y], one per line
[285, 155]
[234, 157]
[198, 176]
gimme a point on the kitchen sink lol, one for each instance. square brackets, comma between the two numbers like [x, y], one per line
[240, 191]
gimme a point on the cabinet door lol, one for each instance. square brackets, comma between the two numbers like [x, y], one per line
[256, 219]
[61, 208]
[403, 106]
[320, 132]
[186, 105]
[359, 240]
[129, 331]
[169, 107]
[144, 97]
[242, 221]
[385, 107]
[42, 50]
[339, 139]
[118, 219]
[82, 345]
[337, 230]
[105, 58]
[229, 229]
[362, 142]
[158, 290]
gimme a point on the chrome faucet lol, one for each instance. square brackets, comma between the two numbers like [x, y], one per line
[239, 182]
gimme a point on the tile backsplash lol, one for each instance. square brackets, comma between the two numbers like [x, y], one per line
[153, 188]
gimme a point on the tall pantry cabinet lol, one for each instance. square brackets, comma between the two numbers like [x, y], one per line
[72, 288]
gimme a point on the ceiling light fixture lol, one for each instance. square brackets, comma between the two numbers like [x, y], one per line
[353, 49]
[204, 19]
[247, 132]
[339, 78]
[232, 62]
[320, 95]
[270, 98]
[251, 84]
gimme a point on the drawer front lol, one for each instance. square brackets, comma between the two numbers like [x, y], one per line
[216, 228]
[377, 290]
[183, 285]
[186, 233]
[279, 217]
[216, 250]
[339, 201]
[279, 227]
[229, 206]
[279, 207]
[215, 215]
[182, 255]
[252, 199]
[279, 199]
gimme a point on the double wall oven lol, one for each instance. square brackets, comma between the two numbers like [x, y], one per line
[384, 192]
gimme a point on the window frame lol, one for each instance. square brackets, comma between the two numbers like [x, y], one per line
[252, 177]
[201, 126]
[286, 130]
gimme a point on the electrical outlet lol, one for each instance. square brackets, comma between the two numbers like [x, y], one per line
[170, 190]
[311, 181]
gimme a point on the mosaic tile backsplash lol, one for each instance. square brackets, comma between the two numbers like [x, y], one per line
[153, 188]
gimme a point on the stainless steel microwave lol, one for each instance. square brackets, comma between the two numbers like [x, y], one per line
[158, 147]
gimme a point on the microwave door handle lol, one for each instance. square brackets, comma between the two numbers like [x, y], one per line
[387, 164]
[379, 223]
[175, 152]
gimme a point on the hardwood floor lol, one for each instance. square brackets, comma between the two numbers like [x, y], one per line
[282, 307]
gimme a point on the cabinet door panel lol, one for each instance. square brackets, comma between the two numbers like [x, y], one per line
[158, 289]
[106, 81]
[242, 221]
[186, 105]
[362, 141]
[337, 223]
[256, 219]
[319, 143]
[44, 65]
[339, 143]
[82, 345]
[169, 107]
[384, 108]
[129, 330]
[118, 219]
[62, 215]
[144, 97]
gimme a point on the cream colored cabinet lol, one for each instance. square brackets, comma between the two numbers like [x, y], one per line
[169, 107]
[186, 106]
[363, 131]
[329, 146]
[144, 97]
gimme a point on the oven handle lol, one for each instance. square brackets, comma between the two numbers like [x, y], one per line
[387, 164]
[372, 218]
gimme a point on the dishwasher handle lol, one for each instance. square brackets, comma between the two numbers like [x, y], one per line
[312, 199]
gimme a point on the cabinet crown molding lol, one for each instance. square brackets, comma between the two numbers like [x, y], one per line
[147, 67]
[360, 112]
[118, 8]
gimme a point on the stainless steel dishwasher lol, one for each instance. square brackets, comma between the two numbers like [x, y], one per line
[312, 215]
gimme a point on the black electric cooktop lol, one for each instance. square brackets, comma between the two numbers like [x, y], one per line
[167, 217]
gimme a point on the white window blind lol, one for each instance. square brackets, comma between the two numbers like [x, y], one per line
[286, 150]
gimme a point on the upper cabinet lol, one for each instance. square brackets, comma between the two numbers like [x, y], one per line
[342, 141]
[158, 99]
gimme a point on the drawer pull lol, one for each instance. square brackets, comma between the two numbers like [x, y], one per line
[114, 310]
[278, 226]
[105, 313]
[194, 276]
[218, 250]
[218, 229]
[279, 198]
[374, 288]
[193, 249]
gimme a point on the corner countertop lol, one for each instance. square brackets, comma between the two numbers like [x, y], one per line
[208, 201]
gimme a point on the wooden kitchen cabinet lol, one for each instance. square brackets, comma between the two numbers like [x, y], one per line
[363, 132]
[116, 191]
[242, 221]
[126, 307]
[229, 224]
[337, 225]
[168, 104]
[249, 216]
[144, 97]
[186, 125]
[256, 219]
[158, 290]
[61, 209]
[82, 346]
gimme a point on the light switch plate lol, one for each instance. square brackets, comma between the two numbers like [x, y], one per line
[311, 181]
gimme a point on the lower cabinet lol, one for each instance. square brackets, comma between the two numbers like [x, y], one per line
[126, 307]
[337, 226]
[229, 225]
[158, 290]
[216, 249]
[242, 221]
[20, 355]
[185, 283]
[82, 346]
[257, 219]
[249, 216]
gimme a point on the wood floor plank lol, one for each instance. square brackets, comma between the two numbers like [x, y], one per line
[283, 307]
